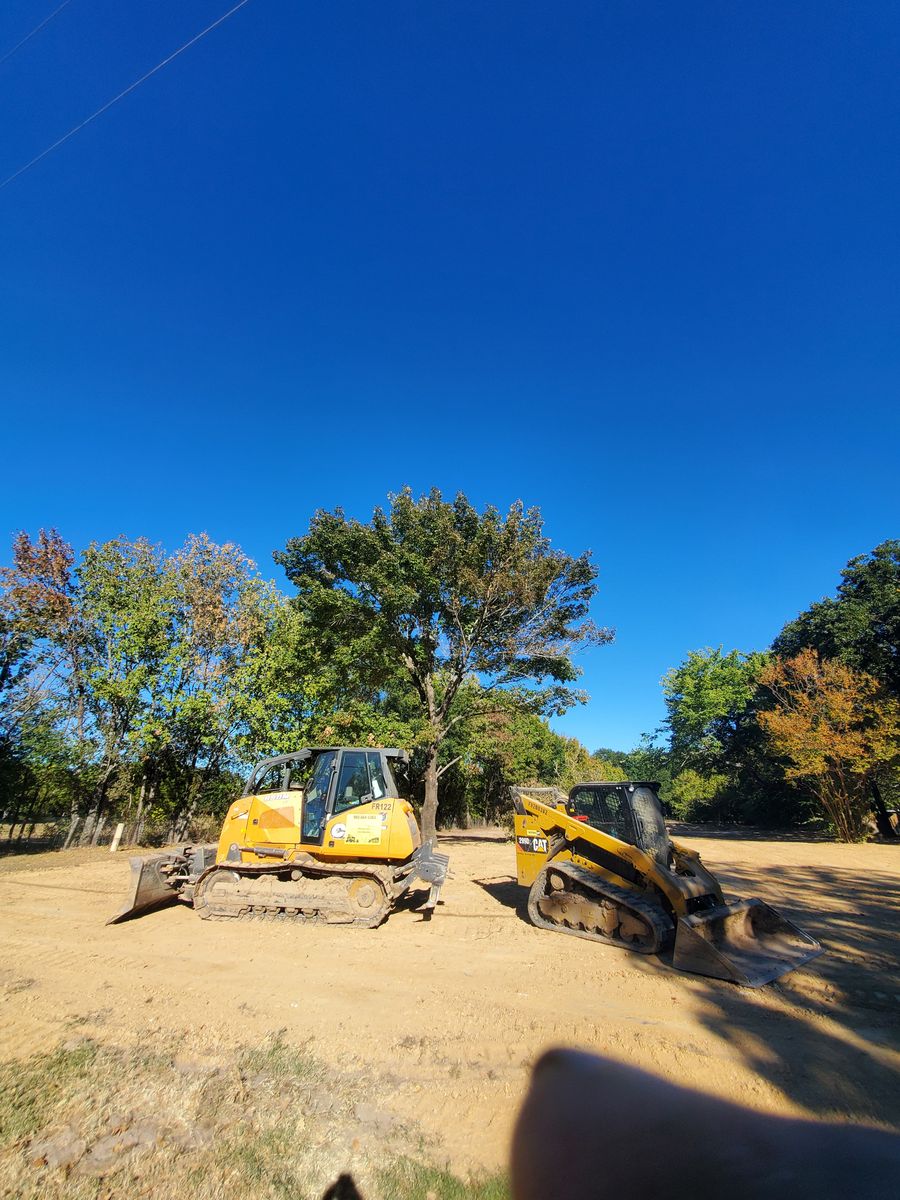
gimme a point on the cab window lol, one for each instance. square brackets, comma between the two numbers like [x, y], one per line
[271, 781]
[353, 782]
[377, 781]
[606, 809]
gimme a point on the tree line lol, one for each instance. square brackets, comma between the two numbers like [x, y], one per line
[807, 728]
[138, 686]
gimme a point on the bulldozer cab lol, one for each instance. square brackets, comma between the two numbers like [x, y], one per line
[323, 781]
[628, 811]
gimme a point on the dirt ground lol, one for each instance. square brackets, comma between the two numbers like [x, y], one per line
[442, 1019]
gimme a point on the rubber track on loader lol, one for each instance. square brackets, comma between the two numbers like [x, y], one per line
[238, 895]
[661, 926]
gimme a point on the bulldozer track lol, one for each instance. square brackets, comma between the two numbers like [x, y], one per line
[303, 893]
[569, 899]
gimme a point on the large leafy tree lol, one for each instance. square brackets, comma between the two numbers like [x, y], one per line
[477, 609]
[834, 726]
[132, 671]
[860, 626]
[44, 702]
[649, 760]
[721, 765]
[705, 697]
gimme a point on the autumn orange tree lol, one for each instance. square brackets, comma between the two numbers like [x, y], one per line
[834, 726]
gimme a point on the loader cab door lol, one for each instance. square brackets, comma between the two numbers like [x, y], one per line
[316, 796]
[653, 837]
[364, 802]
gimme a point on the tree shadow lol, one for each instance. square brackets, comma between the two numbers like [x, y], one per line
[856, 918]
[37, 845]
[825, 1068]
[825, 1036]
[744, 833]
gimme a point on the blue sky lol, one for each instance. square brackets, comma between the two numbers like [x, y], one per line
[636, 263]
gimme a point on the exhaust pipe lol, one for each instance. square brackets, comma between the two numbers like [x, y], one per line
[745, 942]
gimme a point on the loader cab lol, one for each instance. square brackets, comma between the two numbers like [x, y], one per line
[627, 810]
[313, 785]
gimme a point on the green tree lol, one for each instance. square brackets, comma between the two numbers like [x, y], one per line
[232, 685]
[133, 671]
[46, 653]
[860, 626]
[128, 609]
[467, 603]
[694, 797]
[704, 698]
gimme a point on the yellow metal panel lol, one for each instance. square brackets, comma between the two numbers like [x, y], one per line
[275, 818]
[383, 829]
[234, 827]
[531, 848]
[377, 830]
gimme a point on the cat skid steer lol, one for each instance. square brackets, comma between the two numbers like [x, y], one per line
[600, 864]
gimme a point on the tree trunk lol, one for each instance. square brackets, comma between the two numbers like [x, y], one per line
[74, 818]
[180, 828]
[429, 808]
[882, 820]
[145, 808]
[134, 829]
[70, 836]
[93, 817]
[98, 830]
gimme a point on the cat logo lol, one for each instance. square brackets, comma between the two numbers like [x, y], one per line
[533, 845]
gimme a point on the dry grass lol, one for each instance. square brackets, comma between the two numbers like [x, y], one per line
[91, 1120]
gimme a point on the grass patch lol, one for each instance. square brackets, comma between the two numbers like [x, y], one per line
[407, 1179]
[31, 1090]
[212, 1121]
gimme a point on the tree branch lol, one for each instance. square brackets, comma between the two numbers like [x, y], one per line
[447, 766]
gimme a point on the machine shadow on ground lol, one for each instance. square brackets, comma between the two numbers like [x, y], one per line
[506, 891]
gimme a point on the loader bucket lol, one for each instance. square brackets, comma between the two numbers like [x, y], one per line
[745, 942]
[149, 887]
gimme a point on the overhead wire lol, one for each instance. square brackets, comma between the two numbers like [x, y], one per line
[37, 29]
[126, 91]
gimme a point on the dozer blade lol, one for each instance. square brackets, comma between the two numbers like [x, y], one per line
[746, 942]
[149, 887]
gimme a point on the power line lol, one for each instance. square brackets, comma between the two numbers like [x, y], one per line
[131, 87]
[37, 29]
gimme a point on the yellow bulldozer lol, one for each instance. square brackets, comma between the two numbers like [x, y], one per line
[600, 864]
[318, 836]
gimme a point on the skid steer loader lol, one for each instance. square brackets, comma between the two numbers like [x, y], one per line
[321, 835]
[600, 865]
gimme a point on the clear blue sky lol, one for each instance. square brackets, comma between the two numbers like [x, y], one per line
[634, 262]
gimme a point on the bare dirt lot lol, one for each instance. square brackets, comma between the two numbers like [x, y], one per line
[436, 1023]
